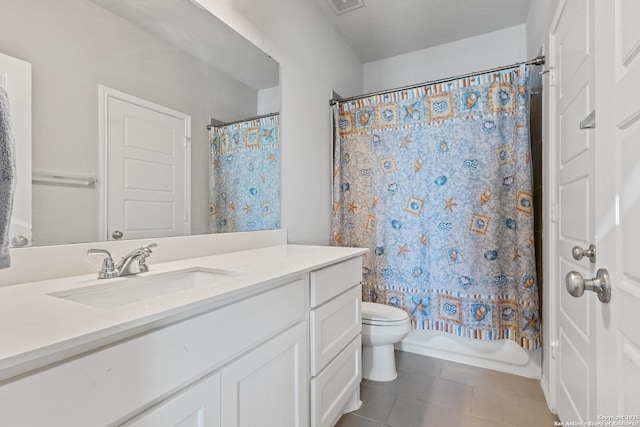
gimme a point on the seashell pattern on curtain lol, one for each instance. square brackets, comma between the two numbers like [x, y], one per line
[244, 187]
[437, 182]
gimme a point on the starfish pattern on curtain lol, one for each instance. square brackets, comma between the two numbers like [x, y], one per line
[244, 187]
[437, 182]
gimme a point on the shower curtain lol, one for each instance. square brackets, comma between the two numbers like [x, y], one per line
[244, 187]
[437, 182]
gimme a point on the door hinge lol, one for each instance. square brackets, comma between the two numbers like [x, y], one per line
[552, 76]
[554, 212]
[554, 349]
[187, 141]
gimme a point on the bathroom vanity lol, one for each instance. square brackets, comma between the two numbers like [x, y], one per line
[262, 337]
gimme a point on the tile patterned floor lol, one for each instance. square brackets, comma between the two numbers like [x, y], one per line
[433, 392]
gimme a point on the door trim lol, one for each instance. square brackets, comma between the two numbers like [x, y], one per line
[551, 217]
[104, 94]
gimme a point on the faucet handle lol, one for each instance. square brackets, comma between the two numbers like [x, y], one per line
[147, 248]
[108, 269]
[144, 253]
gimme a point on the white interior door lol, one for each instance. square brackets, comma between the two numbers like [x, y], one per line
[572, 193]
[148, 190]
[618, 207]
[597, 176]
[15, 78]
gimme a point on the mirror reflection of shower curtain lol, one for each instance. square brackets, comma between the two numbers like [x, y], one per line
[437, 182]
[244, 187]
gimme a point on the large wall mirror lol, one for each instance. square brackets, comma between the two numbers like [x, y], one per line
[116, 99]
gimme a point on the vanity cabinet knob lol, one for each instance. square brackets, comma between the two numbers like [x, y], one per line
[117, 234]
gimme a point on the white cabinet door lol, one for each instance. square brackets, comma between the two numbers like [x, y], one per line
[333, 389]
[267, 387]
[196, 406]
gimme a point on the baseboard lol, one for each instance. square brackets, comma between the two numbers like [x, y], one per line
[544, 384]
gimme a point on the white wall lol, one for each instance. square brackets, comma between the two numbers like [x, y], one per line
[541, 13]
[314, 60]
[74, 46]
[269, 100]
[478, 53]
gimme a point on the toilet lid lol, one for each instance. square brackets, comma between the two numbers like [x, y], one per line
[382, 313]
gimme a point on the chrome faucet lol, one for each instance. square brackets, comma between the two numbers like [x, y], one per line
[123, 268]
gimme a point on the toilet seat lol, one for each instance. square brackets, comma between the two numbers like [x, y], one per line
[382, 315]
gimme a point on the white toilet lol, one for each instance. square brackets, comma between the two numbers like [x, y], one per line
[382, 327]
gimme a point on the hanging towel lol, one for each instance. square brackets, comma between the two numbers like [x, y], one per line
[7, 178]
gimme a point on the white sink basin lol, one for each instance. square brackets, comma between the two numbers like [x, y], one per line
[132, 289]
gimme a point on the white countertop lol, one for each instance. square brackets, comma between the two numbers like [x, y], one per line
[37, 329]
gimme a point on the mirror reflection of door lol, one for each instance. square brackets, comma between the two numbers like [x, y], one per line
[147, 174]
[15, 78]
[174, 53]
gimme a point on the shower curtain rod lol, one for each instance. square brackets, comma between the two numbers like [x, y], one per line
[248, 119]
[539, 60]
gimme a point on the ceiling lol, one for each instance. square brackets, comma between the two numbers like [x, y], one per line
[191, 28]
[386, 28]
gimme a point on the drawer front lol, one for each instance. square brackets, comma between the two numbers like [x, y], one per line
[333, 326]
[109, 385]
[334, 280]
[332, 389]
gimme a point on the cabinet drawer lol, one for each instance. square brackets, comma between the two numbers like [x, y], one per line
[105, 386]
[331, 390]
[333, 326]
[333, 280]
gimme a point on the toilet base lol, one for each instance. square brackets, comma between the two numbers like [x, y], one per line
[379, 363]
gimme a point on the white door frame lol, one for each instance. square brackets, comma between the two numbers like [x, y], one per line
[104, 94]
[550, 209]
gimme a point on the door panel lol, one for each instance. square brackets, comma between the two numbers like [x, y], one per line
[148, 169]
[145, 175]
[577, 142]
[574, 223]
[575, 310]
[573, 41]
[573, 370]
[629, 11]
